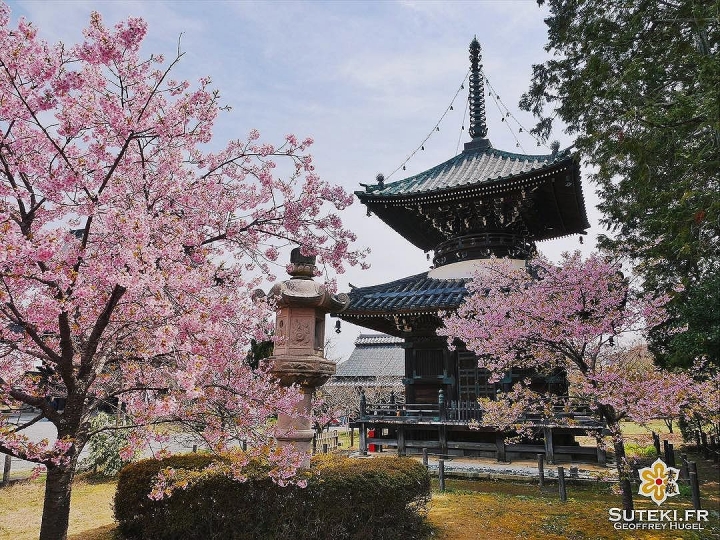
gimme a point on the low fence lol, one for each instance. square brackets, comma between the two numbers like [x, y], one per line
[327, 441]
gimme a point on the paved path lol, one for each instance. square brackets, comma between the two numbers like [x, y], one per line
[487, 468]
[44, 429]
[490, 468]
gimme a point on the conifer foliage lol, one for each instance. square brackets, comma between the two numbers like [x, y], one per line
[636, 84]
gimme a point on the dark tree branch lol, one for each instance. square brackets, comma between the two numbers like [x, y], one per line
[103, 320]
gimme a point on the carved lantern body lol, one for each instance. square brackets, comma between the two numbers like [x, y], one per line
[298, 356]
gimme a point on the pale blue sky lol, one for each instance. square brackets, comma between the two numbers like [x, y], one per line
[367, 80]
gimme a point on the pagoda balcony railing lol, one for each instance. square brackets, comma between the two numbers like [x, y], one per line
[455, 411]
[570, 412]
[483, 245]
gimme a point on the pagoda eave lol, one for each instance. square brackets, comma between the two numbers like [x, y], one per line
[410, 305]
[495, 186]
[401, 324]
[538, 205]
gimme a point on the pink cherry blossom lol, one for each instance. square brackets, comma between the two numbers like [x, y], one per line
[131, 247]
[581, 317]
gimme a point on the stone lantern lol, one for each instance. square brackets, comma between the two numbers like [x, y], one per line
[298, 357]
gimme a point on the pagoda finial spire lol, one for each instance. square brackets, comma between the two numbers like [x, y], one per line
[478, 127]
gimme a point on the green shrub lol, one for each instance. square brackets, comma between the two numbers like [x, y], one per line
[379, 498]
[134, 510]
[640, 451]
[104, 447]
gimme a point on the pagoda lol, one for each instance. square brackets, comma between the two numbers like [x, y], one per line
[482, 204]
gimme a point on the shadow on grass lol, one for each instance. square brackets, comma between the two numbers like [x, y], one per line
[106, 532]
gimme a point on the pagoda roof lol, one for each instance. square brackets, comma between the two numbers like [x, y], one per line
[541, 196]
[381, 307]
[409, 294]
[483, 191]
[479, 165]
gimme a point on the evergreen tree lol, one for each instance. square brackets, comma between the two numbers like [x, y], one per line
[636, 81]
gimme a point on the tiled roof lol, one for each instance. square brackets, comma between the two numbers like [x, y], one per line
[412, 293]
[378, 339]
[375, 355]
[472, 167]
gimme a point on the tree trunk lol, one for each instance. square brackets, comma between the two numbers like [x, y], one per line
[624, 475]
[56, 509]
[623, 469]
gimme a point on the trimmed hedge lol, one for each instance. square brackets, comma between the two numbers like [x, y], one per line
[359, 499]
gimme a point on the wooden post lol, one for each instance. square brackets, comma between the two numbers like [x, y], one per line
[352, 437]
[401, 441]
[541, 469]
[694, 484]
[671, 455]
[706, 449]
[325, 448]
[443, 439]
[441, 474]
[561, 484]
[656, 442]
[314, 444]
[425, 457]
[6, 470]
[549, 450]
[500, 444]
[363, 440]
[684, 467]
[601, 455]
[363, 404]
[441, 405]
[666, 452]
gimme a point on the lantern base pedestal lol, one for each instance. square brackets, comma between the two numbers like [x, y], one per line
[308, 371]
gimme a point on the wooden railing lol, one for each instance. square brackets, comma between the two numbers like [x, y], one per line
[456, 410]
[464, 411]
[418, 410]
[467, 411]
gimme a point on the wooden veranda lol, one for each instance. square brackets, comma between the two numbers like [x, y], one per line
[455, 429]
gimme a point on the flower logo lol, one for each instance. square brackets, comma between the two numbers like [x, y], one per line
[659, 482]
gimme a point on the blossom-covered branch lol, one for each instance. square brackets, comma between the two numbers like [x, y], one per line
[132, 244]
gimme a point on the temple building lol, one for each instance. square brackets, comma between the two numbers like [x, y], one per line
[484, 203]
[378, 361]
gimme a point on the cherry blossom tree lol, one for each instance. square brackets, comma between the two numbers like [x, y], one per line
[130, 250]
[571, 317]
[702, 411]
[342, 398]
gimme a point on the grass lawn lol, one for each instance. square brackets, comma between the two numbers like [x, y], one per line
[485, 509]
[91, 515]
[467, 510]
